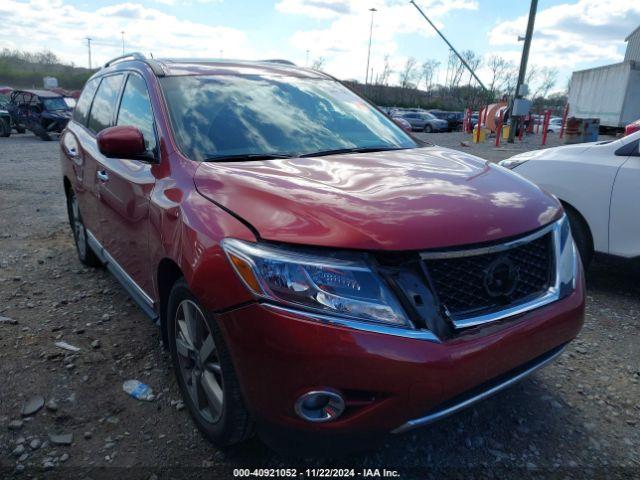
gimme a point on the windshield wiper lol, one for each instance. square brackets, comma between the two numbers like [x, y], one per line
[247, 156]
[351, 150]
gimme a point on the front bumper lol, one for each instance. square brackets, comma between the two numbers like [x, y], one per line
[390, 383]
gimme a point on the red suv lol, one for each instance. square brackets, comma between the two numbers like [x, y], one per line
[313, 268]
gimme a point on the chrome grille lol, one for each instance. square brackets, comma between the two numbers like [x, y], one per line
[479, 283]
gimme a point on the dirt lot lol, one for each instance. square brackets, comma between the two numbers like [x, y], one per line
[578, 418]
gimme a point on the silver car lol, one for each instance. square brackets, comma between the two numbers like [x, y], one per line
[425, 122]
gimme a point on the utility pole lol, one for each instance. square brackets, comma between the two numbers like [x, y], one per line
[89, 50]
[464, 62]
[366, 78]
[523, 66]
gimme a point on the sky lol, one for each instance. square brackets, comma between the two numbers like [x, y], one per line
[569, 34]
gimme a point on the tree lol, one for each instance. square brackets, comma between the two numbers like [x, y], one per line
[500, 71]
[408, 73]
[318, 63]
[383, 78]
[548, 79]
[429, 69]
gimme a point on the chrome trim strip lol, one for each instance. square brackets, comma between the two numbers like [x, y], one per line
[469, 252]
[111, 262]
[357, 325]
[550, 296]
[440, 414]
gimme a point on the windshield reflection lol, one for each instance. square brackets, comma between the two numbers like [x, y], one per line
[227, 115]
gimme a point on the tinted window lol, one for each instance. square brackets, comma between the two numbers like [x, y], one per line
[104, 103]
[237, 115]
[135, 109]
[81, 112]
[56, 103]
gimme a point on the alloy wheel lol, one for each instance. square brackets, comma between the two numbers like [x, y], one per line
[198, 361]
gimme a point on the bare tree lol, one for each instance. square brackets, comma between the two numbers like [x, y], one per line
[548, 79]
[383, 78]
[500, 70]
[408, 73]
[318, 63]
[429, 69]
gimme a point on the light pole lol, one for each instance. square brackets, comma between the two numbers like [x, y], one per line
[366, 78]
[122, 32]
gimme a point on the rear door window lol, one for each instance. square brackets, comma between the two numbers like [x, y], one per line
[81, 113]
[104, 103]
[135, 109]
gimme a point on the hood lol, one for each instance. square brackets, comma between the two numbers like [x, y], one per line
[574, 149]
[400, 200]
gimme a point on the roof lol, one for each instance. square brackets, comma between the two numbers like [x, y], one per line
[636, 31]
[40, 93]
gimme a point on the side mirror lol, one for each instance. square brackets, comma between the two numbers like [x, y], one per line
[124, 142]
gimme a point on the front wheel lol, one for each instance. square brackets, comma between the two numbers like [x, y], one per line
[428, 129]
[85, 254]
[204, 370]
[582, 237]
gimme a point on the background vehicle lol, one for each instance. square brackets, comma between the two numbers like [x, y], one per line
[598, 184]
[285, 260]
[5, 123]
[406, 126]
[423, 121]
[453, 119]
[555, 125]
[632, 127]
[40, 111]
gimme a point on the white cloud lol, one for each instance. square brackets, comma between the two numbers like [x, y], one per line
[62, 28]
[344, 41]
[570, 34]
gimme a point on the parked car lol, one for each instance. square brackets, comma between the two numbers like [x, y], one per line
[555, 125]
[453, 119]
[632, 127]
[406, 126]
[284, 256]
[598, 185]
[424, 121]
[40, 111]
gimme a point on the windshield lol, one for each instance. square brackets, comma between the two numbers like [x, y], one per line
[228, 115]
[55, 103]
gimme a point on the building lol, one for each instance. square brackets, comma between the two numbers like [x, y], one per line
[611, 92]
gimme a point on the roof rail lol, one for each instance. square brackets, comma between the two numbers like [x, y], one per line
[155, 66]
[280, 61]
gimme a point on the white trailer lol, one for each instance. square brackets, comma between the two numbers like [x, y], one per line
[610, 93]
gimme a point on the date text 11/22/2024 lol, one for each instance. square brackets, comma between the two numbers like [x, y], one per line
[316, 473]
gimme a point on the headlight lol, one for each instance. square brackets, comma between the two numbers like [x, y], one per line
[567, 261]
[331, 285]
[511, 163]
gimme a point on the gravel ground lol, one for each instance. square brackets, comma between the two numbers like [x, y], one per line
[578, 418]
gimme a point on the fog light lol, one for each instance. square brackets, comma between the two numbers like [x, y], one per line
[319, 406]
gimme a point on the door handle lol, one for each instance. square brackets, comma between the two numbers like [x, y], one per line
[102, 175]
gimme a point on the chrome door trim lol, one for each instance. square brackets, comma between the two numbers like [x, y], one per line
[136, 291]
[445, 412]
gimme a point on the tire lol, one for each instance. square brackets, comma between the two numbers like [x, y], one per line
[581, 236]
[85, 254]
[428, 129]
[42, 133]
[210, 387]
[5, 128]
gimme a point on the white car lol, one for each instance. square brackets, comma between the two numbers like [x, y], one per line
[599, 185]
[555, 125]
